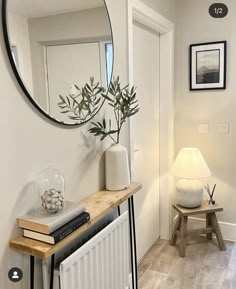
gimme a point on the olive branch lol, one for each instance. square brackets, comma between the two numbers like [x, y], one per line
[88, 100]
[124, 104]
[84, 103]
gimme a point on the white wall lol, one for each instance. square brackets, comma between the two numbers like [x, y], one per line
[194, 25]
[19, 37]
[164, 7]
[29, 142]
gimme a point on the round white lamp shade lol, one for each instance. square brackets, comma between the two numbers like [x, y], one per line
[190, 166]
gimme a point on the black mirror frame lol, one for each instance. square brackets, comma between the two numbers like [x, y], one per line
[20, 81]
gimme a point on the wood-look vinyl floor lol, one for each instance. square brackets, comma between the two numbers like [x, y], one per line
[204, 267]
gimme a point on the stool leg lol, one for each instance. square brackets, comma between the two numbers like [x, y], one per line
[208, 225]
[216, 230]
[175, 231]
[183, 231]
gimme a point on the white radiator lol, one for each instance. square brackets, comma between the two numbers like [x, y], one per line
[102, 262]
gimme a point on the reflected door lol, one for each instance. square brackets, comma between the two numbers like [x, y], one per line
[64, 63]
[146, 136]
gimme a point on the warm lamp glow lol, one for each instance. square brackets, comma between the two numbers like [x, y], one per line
[190, 164]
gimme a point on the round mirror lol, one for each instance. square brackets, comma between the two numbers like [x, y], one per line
[61, 52]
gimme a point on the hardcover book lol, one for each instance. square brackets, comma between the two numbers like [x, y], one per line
[60, 233]
[43, 222]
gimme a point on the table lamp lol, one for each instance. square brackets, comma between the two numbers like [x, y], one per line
[190, 166]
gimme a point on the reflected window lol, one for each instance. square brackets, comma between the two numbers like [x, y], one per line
[109, 61]
[15, 55]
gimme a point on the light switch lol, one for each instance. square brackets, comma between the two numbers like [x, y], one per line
[136, 148]
[223, 128]
[203, 128]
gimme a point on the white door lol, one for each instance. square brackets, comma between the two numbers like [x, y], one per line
[68, 65]
[146, 136]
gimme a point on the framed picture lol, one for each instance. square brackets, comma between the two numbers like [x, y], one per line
[208, 65]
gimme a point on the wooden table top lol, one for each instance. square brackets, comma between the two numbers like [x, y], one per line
[98, 205]
[203, 209]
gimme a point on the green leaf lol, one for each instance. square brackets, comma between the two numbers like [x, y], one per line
[136, 106]
[112, 86]
[101, 89]
[132, 113]
[107, 97]
[75, 117]
[66, 111]
[68, 99]
[97, 101]
[98, 133]
[62, 98]
[103, 137]
[112, 132]
[95, 129]
[63, 106]
[88, 87]
[104, 123]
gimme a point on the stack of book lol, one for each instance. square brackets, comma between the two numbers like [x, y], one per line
[39, 225]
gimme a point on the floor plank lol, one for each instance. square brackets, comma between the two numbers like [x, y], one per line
[204, 267]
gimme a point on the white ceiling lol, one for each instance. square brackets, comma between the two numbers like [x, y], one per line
[40, 8]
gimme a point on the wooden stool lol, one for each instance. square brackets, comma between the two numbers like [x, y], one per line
[212, 225]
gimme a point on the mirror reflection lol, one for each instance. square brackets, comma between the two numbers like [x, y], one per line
[57, 46]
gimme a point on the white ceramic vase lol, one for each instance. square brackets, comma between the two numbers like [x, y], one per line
[116, 168]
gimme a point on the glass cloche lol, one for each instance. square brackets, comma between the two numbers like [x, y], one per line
[51, 185]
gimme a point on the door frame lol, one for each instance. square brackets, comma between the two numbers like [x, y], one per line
[140, 13]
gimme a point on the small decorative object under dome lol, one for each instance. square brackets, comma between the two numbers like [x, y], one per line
[51, 187]
[52, 200]
[190, 166]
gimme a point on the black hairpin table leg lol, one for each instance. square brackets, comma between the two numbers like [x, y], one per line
[131, 243]
[133, 252]
[118, 210]
[134, 247]
[31, 272]
[52, 271]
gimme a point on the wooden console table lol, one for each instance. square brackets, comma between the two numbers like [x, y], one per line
[98, 205]
[212, 225]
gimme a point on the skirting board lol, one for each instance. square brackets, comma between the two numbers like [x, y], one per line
[228, 230]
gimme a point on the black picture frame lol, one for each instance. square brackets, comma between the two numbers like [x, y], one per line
[207, 67]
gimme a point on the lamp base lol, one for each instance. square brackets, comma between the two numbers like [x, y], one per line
[189, 193]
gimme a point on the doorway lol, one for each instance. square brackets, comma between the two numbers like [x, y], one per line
[158, 53]
[146, 47]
